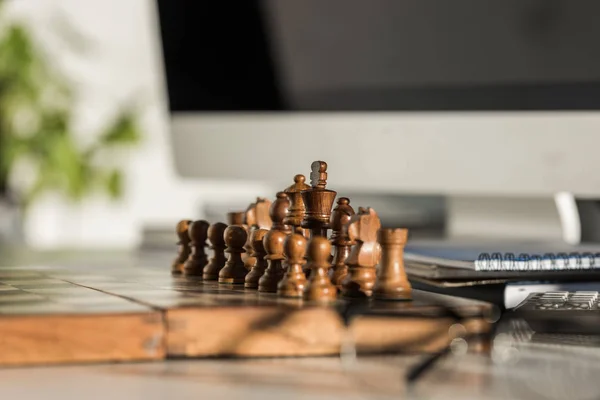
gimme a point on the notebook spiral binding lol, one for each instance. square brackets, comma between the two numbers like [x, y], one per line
[535, 262]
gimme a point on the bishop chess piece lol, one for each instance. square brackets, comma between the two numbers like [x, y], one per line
[294, 280]
[273, 242]
[319, 287]
[392, 282]
[198, 233]
[340, 218]
[318, 201]
[234, 271]
[297, 210]
[365, 254]
[183, 244]
[258, 252]
[217, 244]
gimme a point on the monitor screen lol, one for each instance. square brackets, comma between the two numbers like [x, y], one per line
[380, 55]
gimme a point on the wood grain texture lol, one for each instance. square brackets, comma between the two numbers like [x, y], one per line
[51, 339]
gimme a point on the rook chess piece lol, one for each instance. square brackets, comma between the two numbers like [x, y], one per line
[294, 280]
[184, 249]
[364, 255]
[198, 232]
[217, 262]
[319, 287]
[234, 271]
[340, 218]
[296, 211]
[273, 242]
[392, 282]
[318, 201]
[258, 252]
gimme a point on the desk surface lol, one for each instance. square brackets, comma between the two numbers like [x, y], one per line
[528, 372]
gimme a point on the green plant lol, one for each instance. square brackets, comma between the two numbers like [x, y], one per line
[36, 128]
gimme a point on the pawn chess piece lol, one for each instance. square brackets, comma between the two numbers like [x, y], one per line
[235, 218]
[294, 280]
[278, 211]
[319, 287]
[340, 218]
[273, 242]
[183, 244]
[392, 282]
[318, 201]
[297, 210]
[258, 252]
[217, 244]
[198, 232]
[234, 271]
[364, 256]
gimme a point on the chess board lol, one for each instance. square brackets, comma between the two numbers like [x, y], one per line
[75, 315]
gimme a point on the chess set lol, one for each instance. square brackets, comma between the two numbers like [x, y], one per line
[276, 285]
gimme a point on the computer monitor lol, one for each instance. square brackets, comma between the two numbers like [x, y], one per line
[462, 98]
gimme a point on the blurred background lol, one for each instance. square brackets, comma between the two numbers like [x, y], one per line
[455, 119]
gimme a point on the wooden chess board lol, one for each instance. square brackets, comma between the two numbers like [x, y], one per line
[73, 315]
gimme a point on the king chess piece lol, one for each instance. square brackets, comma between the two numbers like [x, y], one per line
[234, 271]
[294, 280]
[392, 282]
[183, 245]
[318, 201]
[319, 287]
[340, 219]
[198, 232]
[364, 256]
[217, 244]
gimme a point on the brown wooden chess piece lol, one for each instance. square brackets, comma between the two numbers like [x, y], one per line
[278, 212]
[234, 271]
[258, 252]
[183, 244]
[294, 280]
[235, 218]
[273, 242]
[257, 214]
[217, 244]
[365, 254]
[392, 282]
[318, 201]
[297, 210]
[198, 232]
[340, 218]
[319, 287]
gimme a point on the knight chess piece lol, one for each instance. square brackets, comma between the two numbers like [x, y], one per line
[257, 214]
[259, 253]
[318, 201]
[340, 218]
[297, 210]
[234, 271]
[319, 287]
[294, 280]
[392, 282]
[273, 242]
[365, 254]
[217, 244]
[183, 244]
[198, 233]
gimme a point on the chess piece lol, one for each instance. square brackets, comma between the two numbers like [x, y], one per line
[234, 271]
[198, 233]
[297, 210]
[392, 282]
[183, 244]
[319, 287]
[340, 218]
[273, 242]
[318, 201]
[294, 280]
[278, 212]
[257, 214]
[235, 218]
[364, 255]
[258, 252]
[217, 244]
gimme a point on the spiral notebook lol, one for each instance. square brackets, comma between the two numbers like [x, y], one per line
[535, 261]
